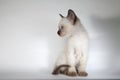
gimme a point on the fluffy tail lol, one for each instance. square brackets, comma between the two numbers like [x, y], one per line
[57, 69]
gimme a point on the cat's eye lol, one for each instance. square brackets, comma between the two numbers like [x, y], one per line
[62, 27]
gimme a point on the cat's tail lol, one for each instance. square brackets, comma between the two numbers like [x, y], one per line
[57, 69]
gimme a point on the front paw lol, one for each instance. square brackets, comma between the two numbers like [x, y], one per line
[84, 74]
[71, 74]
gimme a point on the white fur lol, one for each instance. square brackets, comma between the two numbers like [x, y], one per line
[76, 48]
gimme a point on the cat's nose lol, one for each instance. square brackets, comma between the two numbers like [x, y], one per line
[59, 32]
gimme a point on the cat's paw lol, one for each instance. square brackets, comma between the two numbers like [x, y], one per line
[71, 74]
[84, 74]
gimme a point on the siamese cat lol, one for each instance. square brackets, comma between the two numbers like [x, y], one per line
[73, 61]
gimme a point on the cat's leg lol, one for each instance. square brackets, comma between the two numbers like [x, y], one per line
[60, 65]
[83, 63]
[71, 61]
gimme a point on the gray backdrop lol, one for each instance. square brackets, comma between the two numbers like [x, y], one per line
[29, 43]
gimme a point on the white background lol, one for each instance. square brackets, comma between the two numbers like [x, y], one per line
[29, 40]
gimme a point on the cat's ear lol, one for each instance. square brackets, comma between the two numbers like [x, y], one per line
[72, 16]
[61, 16]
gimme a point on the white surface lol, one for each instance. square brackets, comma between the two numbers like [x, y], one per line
[29, 43]
[47, 75]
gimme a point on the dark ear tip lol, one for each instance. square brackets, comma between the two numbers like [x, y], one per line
[61, 15]
[70, 10]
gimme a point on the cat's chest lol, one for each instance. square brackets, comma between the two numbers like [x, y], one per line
[77, 53]
[77, 40]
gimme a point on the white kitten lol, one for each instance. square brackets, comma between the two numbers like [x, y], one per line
[74, 59]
